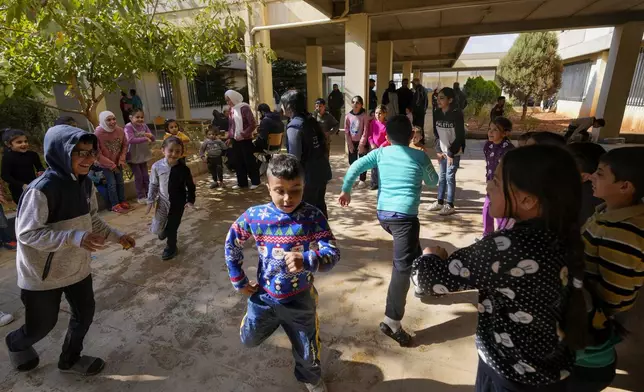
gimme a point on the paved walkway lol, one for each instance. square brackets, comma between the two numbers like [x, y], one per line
[173, 326]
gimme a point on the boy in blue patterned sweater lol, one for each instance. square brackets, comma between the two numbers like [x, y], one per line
[294, 241]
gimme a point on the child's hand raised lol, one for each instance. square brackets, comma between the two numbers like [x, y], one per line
[344, 199]
[294, 261]
[250, 289]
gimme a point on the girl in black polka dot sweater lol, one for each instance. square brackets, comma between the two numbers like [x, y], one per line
[529, 277]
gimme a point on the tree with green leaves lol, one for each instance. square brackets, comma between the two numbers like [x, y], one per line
[92, 45]
[481, 92]
[288, 73]
[532, 67]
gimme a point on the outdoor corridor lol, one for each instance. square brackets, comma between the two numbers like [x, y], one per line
[174, 326]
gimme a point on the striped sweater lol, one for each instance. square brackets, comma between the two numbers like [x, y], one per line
[614, 253]
[304, 230]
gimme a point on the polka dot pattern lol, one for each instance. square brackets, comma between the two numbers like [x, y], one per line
[522, 293]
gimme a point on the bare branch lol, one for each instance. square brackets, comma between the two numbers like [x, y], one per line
[56, 107]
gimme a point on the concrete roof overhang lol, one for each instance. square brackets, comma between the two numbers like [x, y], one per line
[433, 33]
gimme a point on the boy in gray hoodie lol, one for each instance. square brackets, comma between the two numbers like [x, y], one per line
[57, 227]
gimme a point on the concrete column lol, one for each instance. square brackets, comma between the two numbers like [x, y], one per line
[418, 74]
[181, 99]
[620, 67]
[313, 75]
[251, 66]
[356, 58]
[384, 66]
[264, 67]
[602, 59]
[406, 73]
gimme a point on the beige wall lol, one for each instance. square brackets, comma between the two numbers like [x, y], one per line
[633, 120]
[569, 108]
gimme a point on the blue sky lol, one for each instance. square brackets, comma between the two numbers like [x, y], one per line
[490, 43]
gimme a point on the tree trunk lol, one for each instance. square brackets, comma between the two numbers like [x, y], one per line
[91, 115]
[525, 109]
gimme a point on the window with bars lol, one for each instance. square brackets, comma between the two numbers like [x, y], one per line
[573, 81]
[165, 90]
[636, 94]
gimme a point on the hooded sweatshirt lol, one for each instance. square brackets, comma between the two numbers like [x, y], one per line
[54, 214]
[112, 144]
[309, 146]
[449, 132]
[356, 126]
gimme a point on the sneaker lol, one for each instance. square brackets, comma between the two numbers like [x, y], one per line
[119, 209]
[447, 210]
[5, 318]
[142, 201]
[169, 254]
[214, 185]
[126, 205]
[235, 187]
[434, 206]
[253, 187]
[361, 185]
[11, 245]
[319, 387]
[400, 336]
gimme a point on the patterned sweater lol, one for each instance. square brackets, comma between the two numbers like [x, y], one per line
[304, 230]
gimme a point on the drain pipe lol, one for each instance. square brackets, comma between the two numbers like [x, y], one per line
[341, 19]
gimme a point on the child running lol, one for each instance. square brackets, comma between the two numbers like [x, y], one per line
[494, 149]
[294, 241]
[20, 166]
[212, 151]
[172, 129]
[531, 306]
[377, 138]
[112, 148]
[449, 132]
[173, 189]
[402, 171]
[139, 138]
[356, 129]
[613, 241]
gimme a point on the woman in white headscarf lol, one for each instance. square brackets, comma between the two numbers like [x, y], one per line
[112, 147]
[241, 126]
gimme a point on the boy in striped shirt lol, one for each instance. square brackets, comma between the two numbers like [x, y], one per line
[614, 254]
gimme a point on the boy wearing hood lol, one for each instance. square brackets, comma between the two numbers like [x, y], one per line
[57, 227]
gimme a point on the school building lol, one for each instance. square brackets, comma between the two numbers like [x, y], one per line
[412, 38]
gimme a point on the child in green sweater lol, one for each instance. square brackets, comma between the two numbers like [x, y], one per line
[401, 172]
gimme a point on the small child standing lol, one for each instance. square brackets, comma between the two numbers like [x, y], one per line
[613, 244]
[377, 138]
[211, 152]
[139, 138]
[172, 129]
[294, 241]
[402, 171]
[172, 187]
[494, 149]
[20, 166]
[356, 129]
[112, 148]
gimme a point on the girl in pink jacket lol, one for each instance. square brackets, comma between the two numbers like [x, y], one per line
[377, 138]
[112, 147]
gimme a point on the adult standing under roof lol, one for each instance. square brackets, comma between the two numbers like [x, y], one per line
[578, 128]
[306, 140]
[136, 100]
[419, 105]
[126, 106]
[405, 97]
[373, 98]
[461, 98]
[240, 133]
[390, 99]
[335, 101]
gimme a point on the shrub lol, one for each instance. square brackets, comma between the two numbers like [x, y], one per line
[480, 92]
[28, 115]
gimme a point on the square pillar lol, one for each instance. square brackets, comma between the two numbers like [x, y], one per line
[181, 98]
[384, 66]
[264, 67]
[618, 75]
[313, 75]
[418, 74]
[406, 73]
[356, 58]
[602, 59]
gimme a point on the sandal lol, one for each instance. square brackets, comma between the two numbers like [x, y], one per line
[85, 366]
[23, 361]
[400, 336]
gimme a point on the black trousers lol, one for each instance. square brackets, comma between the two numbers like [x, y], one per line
[174, 220]
[406, 232]
[336, 113]
[216, 168]
[41, 316]
[245, 163]
[314, 195]
[353, 156]
[487, 380]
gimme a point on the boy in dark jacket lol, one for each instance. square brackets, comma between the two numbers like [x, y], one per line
[58, 228]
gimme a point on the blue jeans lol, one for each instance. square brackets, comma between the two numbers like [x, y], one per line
[115, 187]
[447, 179]
[298, 318]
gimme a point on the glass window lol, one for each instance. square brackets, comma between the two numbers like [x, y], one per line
[573, 81]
